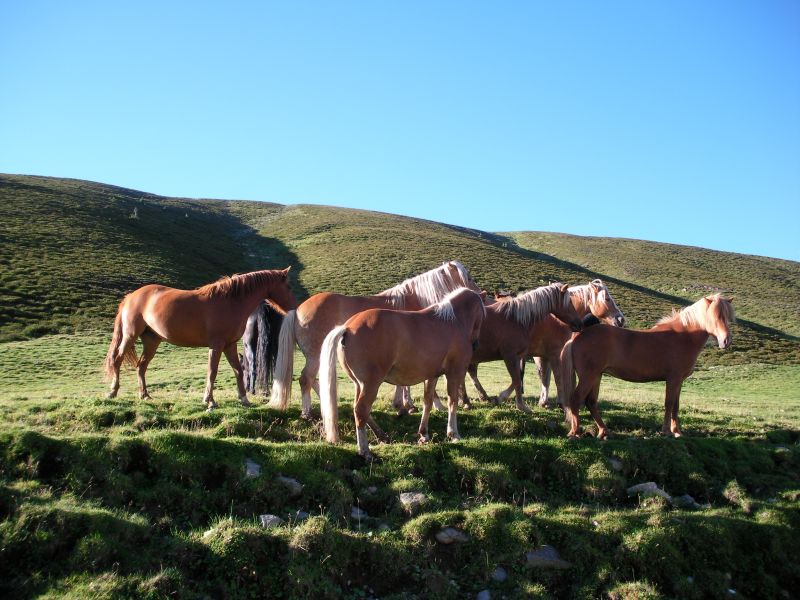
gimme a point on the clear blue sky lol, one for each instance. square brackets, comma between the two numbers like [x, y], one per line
[668, 121]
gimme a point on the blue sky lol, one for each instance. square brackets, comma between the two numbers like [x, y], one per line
[671, 121]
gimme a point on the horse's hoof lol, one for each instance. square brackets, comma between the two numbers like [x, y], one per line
[368, 457]
[307, 416]
[423, 439]
[146, 397]
[402, 412]
[524, 408]
[454, 437]
[245, 402]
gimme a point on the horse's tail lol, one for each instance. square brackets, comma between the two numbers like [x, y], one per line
[116, 339]
[284, 363]
[268, 325]
[328, 392]
[566, 383]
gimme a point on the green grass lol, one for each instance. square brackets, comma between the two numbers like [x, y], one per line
[125, 498]
[145, 499]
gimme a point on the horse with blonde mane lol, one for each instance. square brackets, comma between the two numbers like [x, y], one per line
[511, 324]
[402, 348]
[308, 325]
[666, 352]
[594, 302]
[214, 316]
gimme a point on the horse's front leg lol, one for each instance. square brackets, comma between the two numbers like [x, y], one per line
[233, 360]
[214, 354]
[362, 407]
[671, 403]
[592, 404]
[454, 385]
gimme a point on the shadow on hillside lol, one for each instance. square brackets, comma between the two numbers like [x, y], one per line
[509, 245]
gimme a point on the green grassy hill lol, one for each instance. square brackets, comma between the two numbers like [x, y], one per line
[766, 290]
[125, 498]
[72, 249]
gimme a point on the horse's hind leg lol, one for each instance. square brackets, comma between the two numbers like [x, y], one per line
[473, 375]
[308, 378]
[427, 406]
[126, 346]
[365, 397]
[544, 369]
[591, 404]
[512, 364]
[150, 343]
[454, 385]
[233, 360]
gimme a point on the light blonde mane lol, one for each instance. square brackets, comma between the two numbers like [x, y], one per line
[444, 308]
[429, 287]
[695, 314]
[240, 284]
[534, 304]
[588, 293]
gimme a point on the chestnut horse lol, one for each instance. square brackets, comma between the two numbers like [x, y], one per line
[213, 315]
[316, 317]
[402, 348]
[591, 300]
[667, 352]
[511, 326]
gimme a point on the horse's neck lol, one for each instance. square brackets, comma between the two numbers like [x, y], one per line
[676, 325]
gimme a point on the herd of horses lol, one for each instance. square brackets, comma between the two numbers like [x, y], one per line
[436, 323]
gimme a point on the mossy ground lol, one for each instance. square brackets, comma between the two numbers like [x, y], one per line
[126, 498]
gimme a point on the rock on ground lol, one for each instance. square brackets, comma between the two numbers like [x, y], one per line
[546, 557]
[448, 535]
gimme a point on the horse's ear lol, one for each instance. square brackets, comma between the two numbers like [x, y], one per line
[709, 299]
[285, 272]
[730, 299]
[564, 287]
[598, 284]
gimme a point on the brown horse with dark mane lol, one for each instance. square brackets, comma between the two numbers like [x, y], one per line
[402, 348]
[667, 352]
[214, 315]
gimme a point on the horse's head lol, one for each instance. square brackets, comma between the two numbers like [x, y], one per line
[718, 318]
[566, 311]
[280, 294]
[603, 306]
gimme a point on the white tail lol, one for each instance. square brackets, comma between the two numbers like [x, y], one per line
[566, 382]
[328, 392]
[284, 364]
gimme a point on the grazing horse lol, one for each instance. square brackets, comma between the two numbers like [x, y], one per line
[260, 344]
[667, 352]
[511, 328]
[402, 348]
[595, 303]
[316, 317]
[214, 315]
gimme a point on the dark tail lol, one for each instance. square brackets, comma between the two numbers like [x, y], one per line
[269, 322]
[116, 338]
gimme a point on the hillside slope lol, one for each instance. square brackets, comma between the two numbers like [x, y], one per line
[767, 290]
[71, 249]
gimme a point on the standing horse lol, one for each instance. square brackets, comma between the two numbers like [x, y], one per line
[214, 315]
[511, 326]
[316, 317]
[260, 344]
[595, 304]
[402, 348]
[667, 352]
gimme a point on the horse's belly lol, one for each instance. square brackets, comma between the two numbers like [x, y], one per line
[636, 375]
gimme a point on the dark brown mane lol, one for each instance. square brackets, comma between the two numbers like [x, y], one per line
[237, 285]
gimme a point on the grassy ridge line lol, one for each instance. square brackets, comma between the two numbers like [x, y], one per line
[766, 290]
